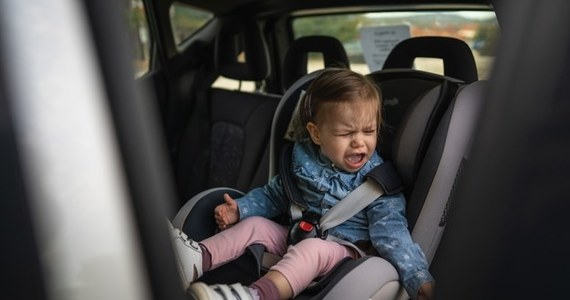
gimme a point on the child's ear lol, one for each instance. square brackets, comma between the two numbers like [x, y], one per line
[314, 133]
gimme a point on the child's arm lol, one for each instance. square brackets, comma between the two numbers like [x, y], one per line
[426, 292]
[390, 236]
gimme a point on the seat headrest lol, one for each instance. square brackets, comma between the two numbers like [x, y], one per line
[295, 62]
[458, 60]
[234, 37]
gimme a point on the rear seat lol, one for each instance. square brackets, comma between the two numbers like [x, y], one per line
[240, 121]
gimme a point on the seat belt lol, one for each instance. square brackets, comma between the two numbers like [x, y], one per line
[382, 179]
[350, 205]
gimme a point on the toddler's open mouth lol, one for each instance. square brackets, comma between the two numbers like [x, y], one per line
[355, 160]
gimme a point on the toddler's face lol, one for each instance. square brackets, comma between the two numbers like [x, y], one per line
[346, 132]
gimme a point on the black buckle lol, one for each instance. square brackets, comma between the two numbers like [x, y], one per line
[307, 227]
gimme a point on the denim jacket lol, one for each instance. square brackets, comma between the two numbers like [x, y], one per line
[383, 222]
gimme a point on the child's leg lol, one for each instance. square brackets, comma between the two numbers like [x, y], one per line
[232, 242]
[306, 261]
[301, 264]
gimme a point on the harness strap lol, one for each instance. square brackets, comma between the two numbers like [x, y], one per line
[354, 202]
[292, 192]
[382, 179]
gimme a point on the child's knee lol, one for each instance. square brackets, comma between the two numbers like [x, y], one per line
[254, 222]
[320, 254]
[323, 250]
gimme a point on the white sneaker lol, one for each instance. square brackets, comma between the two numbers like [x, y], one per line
[188, 256]
[234, 291]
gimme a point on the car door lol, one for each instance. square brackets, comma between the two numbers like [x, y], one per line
[81, 166]
[507, 236]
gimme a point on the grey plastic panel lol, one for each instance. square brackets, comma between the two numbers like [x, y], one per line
[374, 278]
[427, 231]
[184, 211]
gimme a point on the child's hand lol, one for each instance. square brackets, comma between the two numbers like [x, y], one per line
[226, 214]
[426, 292]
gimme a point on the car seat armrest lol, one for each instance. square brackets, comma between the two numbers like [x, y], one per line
[196, 217]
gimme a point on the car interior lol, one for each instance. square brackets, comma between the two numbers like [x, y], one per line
[423, 99]
[215, 90]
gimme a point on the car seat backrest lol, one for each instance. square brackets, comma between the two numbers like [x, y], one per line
[296, 58]
[239, 122]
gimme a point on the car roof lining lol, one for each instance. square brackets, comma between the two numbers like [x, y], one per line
[273, 7]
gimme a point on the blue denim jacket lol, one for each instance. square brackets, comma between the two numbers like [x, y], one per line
[323, 185]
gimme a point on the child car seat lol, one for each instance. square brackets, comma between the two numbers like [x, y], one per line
[374, 277]
[430, 198]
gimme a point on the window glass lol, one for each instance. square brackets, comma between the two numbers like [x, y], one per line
[232, 84]
[368, 37]
[140, 37]
[185, 20]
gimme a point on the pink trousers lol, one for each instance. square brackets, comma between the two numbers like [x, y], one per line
[301, 263]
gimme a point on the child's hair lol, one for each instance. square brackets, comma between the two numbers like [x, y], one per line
[335, 85]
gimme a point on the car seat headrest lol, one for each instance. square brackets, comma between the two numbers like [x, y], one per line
[295, 62]
[240, 51]
[458, 60]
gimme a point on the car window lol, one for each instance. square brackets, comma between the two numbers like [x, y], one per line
[185, 20]
[368, 37]
[140, 37]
